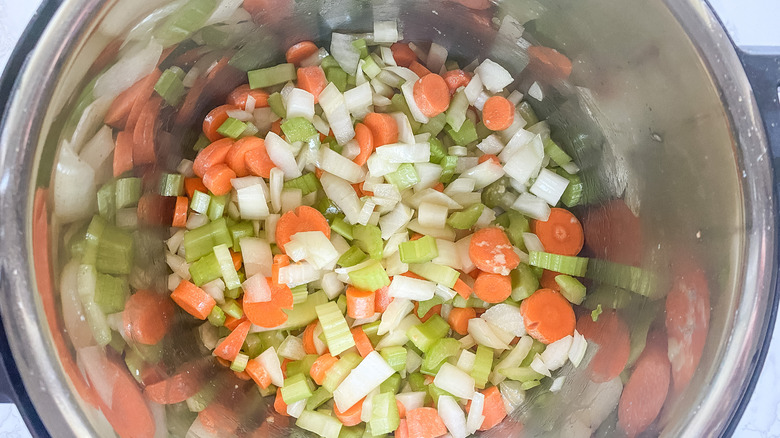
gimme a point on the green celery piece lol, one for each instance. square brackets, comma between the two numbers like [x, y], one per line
[239, 230]
[205, 269]
[435, 125]
[530, 384]
[304, 313]
[424, 306]
[435, 392]
[307, 183]
[521, 374]
[573, 195]
[417, 382]
[341, 302]
[329, 62]
[344, 229]
[424, 335]
[524, 282]
[302, 366]
[170, 86]
[111, 293]
[201, 143]
[536, 348]
[298, 129]
[96, 319]
[215, 36]
[217, 316]
[327, 208]
[171, 184]
[571, 288]
[239, 363]
[276, 103]
[115, 252]
[472, 301]
[338, 77]
[352, 257]
[576, 266]
[398, 104]
[369, 239]
[631, 278]
[188, 18]
[318, 398]
[441, 274]
[499, 195]
[232, 308]
[392, 384]
[384, 414]
[202, 240]
[361, 46]
[448, 165]
[594, 315]
[271, 339]
[320, 424]
[441, 350]
[300, 293]
[217, 206]
[556, 153]
[370, 277]
[296, 388]
[421, 250]
[482, 131]
[528, 113]
[232, 128]
[95, 230]
[395, 357]
[371, 330]
[437, 150]
[370, 67]
[465, 135]
[267, 77]
[514, 224]
[404, 177]
[464, 220]
[128, 192]
[106, 200]
[335, 327]
[200, 202]
[456, 113]
[483, 364]
[609, 297]
[117, 343]
[340, 370]
[233, 293]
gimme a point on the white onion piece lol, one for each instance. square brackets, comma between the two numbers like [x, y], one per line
[369, 374]
[491, 145]
[578, 347]
[556, 354]
[397, 336]
[467, 264]
[343, 195]
[127, 71]
[215, 288]
[484, 174]
[473, 89]
[320, 252]
[256, 289]
[515, 141]
[455, 381]
[251, 197]
[408, 90]
[512, 394]
[446, 233]
[270, 361]
[507, 317]
[549, 186]
[437, 56]
[512, 360]
[72, 311]
[405, 153]
[433, 196]
[539, 366]
[448, 254]
[297, 274]
[339, 166]
[411, 288]
[98, 149]
[378, 166]
[319, 344]
[465, 163]
[359, 100]
[257, 256]
[525, 163]
[387, 56]
[224, 10]
[431, 215]
[428, 173]
[466, 360]
[281, 154]
[276, 181]
[331, 285]
[395, 312]
[535, 91]
[385, 32]
[300, 103]
[296, 409]
[74, 187]
[335, 109]
[571, 167]
[92, 362]
[368, 406]
[475, 418]
[411, 400]
[405, 133]
[460, 185]
[178, 265]
[532, 242]
[292, 348]
[494, 77]
[344, 52]
[533, 207]
[484, 335]
[452, 416]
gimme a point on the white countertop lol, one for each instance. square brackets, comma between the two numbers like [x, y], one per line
[750, 22]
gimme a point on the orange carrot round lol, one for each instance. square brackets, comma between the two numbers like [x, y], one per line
[360, 303]
[313, 80]
[215, 153]
[123, 153]
[610, 333]
[366, 142]
[561, 233]
[147, 317]
[431, 95]
[144, 93]
[214, 119]
[308, 339]
[192, 184]
[231, 346]
[180, 212]
[303, 218]
[492, 288]
[298, 53]
[459, 319]
[350, 417]
[238, 97]
[383, 127]
[403, 55]
[462, 288]
[236, 156]
[382, 299]
[498, 113]
[548, 316]
[456, 79]
[550, 61]
[548, 280]
[321, 366]
[217, 179]
[270, 314]
[257, 161]
[144, 133]
[491, 251]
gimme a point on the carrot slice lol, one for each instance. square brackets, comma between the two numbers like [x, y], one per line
[193, 299]
[647, 388]
[236, 156]
[145, 93]
[403, 55]
[214, 119]
[350, 417]
[279, 260]
[217, 179]
[303, 218]
[237, 259]
[561, 233]
[360, 303]
[401, 409]
[257, 161]
[439, 187]
[258, 373]
[192, 184]
[498, 113]
[180, 211]
[459, 319]
[550, 61]
[462, 288]
[321, 366]
[548, 280]
[308, 340]
[231, 323]
[547, 316]
[144, 133]
[435, 310]
[456, 79]
[279, 405]
[425, 423]
[490, 157]
[403, 429]
[213, 154]
[154, 209]
[382, 299]
[238, 97]
[611, 333]
[231, 346]
[492, 288]
[298, 53]
[270, 314]
[383, 127]
[147, 317]
[365, 140]
[493, 409]
[313, 80]
[118, 114]
[362, 343]
[491, 251]
[123, 153]
[419, 69]
[179, 387]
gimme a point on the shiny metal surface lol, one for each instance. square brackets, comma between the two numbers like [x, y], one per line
[658, 106]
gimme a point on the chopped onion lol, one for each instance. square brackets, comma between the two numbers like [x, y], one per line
[433, 196]
[395, 312]
[428, 173]
[369, 374]
[178, 265]
[507, 317]
[276, 181]
[335, 109]
[466, 361]
[491, 145]
[571, 167]
[437, 56]
[532, 242]
[467, 264]
[578, 347]
[460, 185]
[448, 254]
[386, 191]
[215, 288]
[484, 174]
[475, 417]
[533, 207]
[405, 133]
[515, 96]
[300, 103]
[366, 212]
[535, 91]
[368, 405]
[331, 285]
[467, 342]
[525, 163]
[74, 187]
[549, 186]
[343, 195]
[539, 366]
[339, 166]
[251, 197]
[389, 78]
[378, 166]
[466, 163]
[468, 198]
[256, 289]
[446, 233]
[296, 409]
[486, 218]
[484, 335]
[320, 252]
[405, 153]
[359, 100]
[270, 361]
[344, 52]
[92, 362]
[298, 274]
[455, 381]
[281, 154]
[292, 348]
[512, 394]
[432, 215]
[394, 221]
[408, 91]
[239, 114]
[392, 242]
[97, 151]
[394, 265]
[473, 89]
[512, 360]
[385, 32]
[196, 221]
[397, 336]
[382, 91]
[291, 199]
[270, 227]
[72, 309]
[360, 321]
[421, 54]
[319, 344]
[452, 416]
[411, 400]
[128, 70]
[411, 288]
[479, 103]
[257, 256]
[494, 77]
[555, 355]
[387, 56]
[320, 125]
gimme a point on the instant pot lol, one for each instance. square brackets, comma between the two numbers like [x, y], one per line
[669, 115]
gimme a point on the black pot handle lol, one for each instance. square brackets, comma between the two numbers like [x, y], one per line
[763, 71]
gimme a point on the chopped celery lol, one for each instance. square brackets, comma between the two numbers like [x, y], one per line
[205, 269]
[463, 220]
[395, 357]
[424, 335]
[217, 316]
[441, 350]
[341, 302]
[106, 201]
[556, 153]
[239, 363]
[456, 113]
[404, 177]
[352, 257]
[335, 328]
[421, 250]
[296, 388]
[338, 77]
[399, 104]
[384, 414]
[435, 125]
[232, 308]
[437, 150]
[226, 266]
[594, 315]
[266, 77]
[369, 239]
[339, 370]
[307, 183]
[200, 202]
[417, 382]
[111, 293]
[361, 46]
[499, 195]
[201, 143]
[573, 194]
[302, 366]
[472, 301]
[329, 62]
[232, 128]
[435, 392]
[232, 293]
[298, 129]
[524, 282]
[318, 398]
[521, 374]
[300, 293]
[202, 240]
[607, 296]
[170, 86]
[370, 67]
[448, 164]
[95, 230]
[327, 208]
[528, 113]
[530, 384]
[514, 224]
[440, 274]
[128, 192]
[483, 364]
[424, 306]
[114, 252]
[576, 266]
[216, 208]
[571, 288]
[96, 319]
[276, 103]
[627, 277]
[322, 424]
[185, 20]
[465, 135]
[239, 230]
[392, 384]
[344, 229]
[536, 348]
[305, 312]
[371, 330]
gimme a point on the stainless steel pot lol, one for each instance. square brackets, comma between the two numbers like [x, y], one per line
[659, 106]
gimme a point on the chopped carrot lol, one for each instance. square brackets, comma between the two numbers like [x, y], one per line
[218, 419]
[147, 317]
[431, 95]
[279, 261]
[610, 333]
[242, 375]
[123, 153]
[419, 69]
[308, 339]
[491, 251]
[547, 316]
[276, 127]
[298, 53]
[238, 260]
[401, 409]
[193, 299]
[425, 423]
[146, 93]
[362, 343]
[403, 429]
[279, 405]
[498, 113]
[257, 161]
[285, 362]
[270, 314]
[318, 172]
[459, 319]
[239, 96]
[383, 127]
[350, 417]
[439, 187]
[217, 179]
[360, 303]
[117, 114]
[462, 288]
[561, 233]
[213, 154]
[644, 394]
[321, 366]
[214, 119]
[144, 133]
[192, 184]
[382, 299]
[550, 61]
[487, 157]
[231, 346]
[416, 236]
[303, 218]
[180, 211]
[154, 209]
[365, 141]
[231, 323]
[403, 55]
[179, 387]
[492, 288]
[493, 409]
[258, 373]
[456, 79]
[313, 80]
[236, 156]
